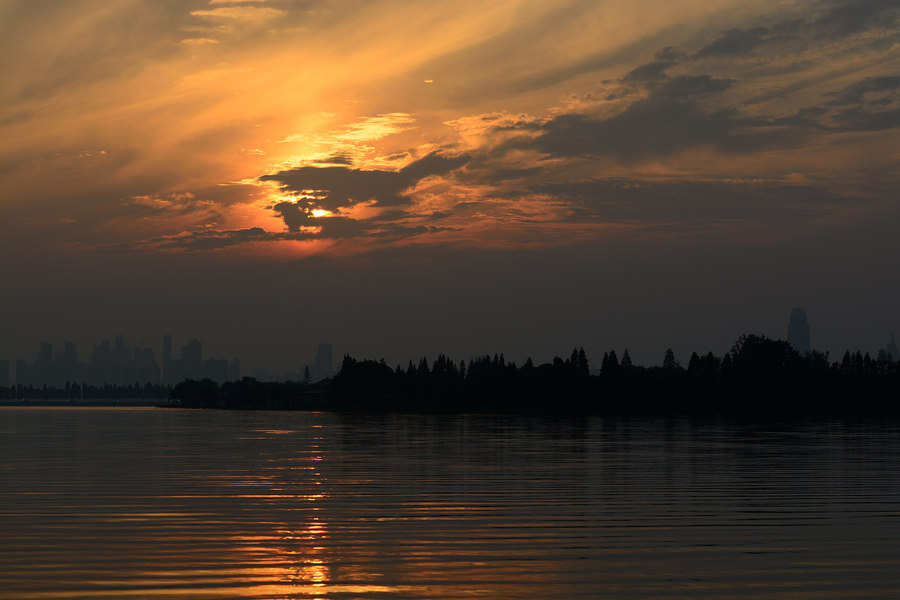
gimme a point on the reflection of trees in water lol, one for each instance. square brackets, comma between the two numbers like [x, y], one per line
[452, 501]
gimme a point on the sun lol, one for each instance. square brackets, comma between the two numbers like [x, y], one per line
[320, 212]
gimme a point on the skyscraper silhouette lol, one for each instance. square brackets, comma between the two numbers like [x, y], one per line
[798, 330]
[167, 375]
[891, 348]
[192, 360]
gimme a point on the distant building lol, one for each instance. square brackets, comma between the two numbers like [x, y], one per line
[42, 371]
[234, 369]
[23, 372]
[118, 364]
[798, 331]
[168, 376]
[4, 373]
[192, 360]
[323, 361]
[101, 364]
[891, 349]
[72, 370]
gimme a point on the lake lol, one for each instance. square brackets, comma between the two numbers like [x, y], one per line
[164, 503]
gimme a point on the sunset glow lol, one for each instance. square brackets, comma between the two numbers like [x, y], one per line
[257, 130]
[205, 96]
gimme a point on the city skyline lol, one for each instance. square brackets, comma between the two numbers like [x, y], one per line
[119, 363]
[122, 364]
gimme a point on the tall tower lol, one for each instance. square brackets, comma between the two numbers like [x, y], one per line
[70, 367]
[167, 375]
[891, 348]
[191, 356]
[798, 331]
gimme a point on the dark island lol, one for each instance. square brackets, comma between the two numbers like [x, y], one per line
[759, 376]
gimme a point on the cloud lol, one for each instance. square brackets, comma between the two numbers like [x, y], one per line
[248, 14]
[716, 92]
[710, 99]
[848, 18]
[198, 41]
[215, 239]
[829, 23]
[329, 229]
[643, 203]
[343, 186]
[655, 69]
[869, 105]
[736, 42]
[339, 158]
[298, 218]
[676, 115]
[179, 202]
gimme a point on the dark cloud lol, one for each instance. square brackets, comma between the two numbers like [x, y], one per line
[673, 117]
[856, 93]
[651, 71]
[836, 21]
[848, 18]
[333, 228]
[655, 69]
[736, 42]
[872, 104]
[297, 216]
[345, 186]
[859, 118]
[294, 215]
[340, 227]
[213, 239]
[692, 203]
[432, 164]
[339, 159]
[395, 232]
[670, 112]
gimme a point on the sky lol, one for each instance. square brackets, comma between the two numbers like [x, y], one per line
[402, 178]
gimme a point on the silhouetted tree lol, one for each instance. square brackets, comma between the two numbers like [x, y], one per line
[669, 362]
[847, 363]
[694, 365]
[611, 366]
[422, 370]
[196, 394]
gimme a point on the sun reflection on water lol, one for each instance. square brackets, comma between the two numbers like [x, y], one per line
[294, 553]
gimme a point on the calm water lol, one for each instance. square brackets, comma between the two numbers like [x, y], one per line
[155, 503]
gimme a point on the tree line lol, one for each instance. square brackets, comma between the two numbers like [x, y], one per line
[75, 392]
[757, 376]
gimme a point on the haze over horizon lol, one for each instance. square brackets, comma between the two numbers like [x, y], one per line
[403, 179]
